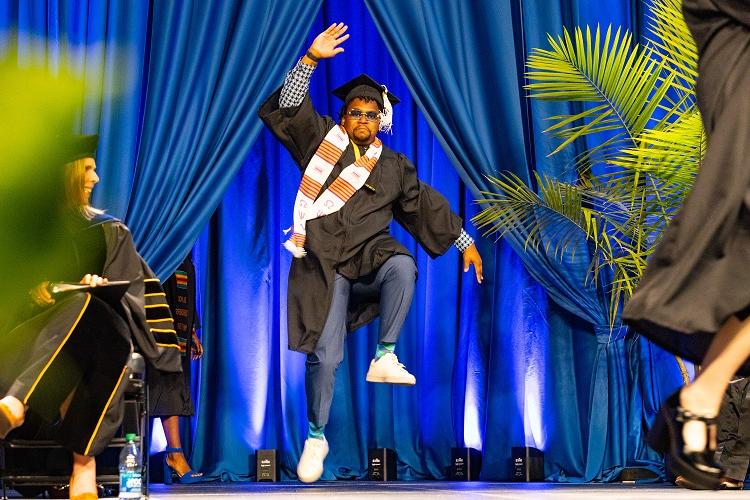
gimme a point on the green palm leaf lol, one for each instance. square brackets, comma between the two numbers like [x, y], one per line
[671, 38]
[637, 110]
[620, 81]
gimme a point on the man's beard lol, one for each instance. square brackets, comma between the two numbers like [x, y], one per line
[363, 136]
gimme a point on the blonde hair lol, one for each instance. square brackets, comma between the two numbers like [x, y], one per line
[75, 196]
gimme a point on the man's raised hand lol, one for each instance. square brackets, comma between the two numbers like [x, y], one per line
[327, 43]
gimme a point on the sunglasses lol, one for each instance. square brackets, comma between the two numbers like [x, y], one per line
[370, 116]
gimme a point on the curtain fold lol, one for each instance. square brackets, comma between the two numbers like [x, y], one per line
[210, 64]
[466, 73]
[456, 339]
[457, 65]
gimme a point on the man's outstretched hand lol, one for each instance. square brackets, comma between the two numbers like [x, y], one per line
[471, 256]
[327, 43]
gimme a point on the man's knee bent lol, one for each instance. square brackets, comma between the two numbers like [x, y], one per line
[322, 363]
[401, 267]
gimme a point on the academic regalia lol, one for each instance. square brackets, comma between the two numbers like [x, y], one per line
[699, 274]
[169, 393]
[144, 303]
[354, 241]
[84, 341]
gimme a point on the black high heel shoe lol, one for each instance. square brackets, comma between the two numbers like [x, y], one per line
[697, 467]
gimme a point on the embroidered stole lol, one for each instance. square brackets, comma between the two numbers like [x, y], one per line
[351, 179]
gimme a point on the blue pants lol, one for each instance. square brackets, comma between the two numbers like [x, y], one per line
[393, 284]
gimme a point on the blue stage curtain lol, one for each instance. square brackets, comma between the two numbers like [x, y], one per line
[466, 73]
[173, 93]
[103, 44]
[252, 394]
[497, 365]
[210, 64]
[173, 89]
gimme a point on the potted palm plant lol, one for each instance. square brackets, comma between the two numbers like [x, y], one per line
[639, 142]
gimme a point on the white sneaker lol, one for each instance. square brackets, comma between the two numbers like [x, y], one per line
[310, 466]
[387, 370]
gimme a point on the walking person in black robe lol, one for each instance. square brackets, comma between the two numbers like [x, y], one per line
[67, 359]
[694, 297]
[348, 269]
[169, 393]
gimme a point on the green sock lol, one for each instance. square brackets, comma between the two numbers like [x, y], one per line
[384, 348]
[315, 431]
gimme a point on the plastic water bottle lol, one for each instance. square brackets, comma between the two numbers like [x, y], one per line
[130, 469]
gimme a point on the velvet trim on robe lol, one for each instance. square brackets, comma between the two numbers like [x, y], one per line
[144, 305]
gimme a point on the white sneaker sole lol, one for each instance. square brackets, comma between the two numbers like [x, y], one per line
[308, 479]
[390, 380]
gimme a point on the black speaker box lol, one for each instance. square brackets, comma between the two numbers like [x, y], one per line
[382, 464]
[465, 464]
[528, 464]
[266, 466]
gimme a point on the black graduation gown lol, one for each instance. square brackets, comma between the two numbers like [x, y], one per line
[144, 305]
[169, 393]
[83, 342]
[356, 240]
[699, 274]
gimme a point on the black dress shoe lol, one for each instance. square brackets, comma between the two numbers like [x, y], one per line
[684, 483]
[728, 483]
[698, 468]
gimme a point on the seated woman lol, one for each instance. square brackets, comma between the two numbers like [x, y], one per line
[67, 359]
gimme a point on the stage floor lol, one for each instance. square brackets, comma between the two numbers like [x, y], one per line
[360, 490]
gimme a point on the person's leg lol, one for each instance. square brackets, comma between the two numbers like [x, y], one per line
[176, 459]
[322, 364]
[39, 345]
[397, 278]
[100, 348]
[729, 349]
[737, 458]
[320, 374]
[394, 284]
[685, 428]
[728, 423]
[83, 477]
[732, 451]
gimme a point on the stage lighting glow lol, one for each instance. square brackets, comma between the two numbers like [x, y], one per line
[158, 441]
[533, 428]
[255, 414]
[472, 434]
[248, 355]
[529, 345]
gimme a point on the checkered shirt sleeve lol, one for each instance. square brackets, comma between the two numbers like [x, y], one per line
[464, 241]
[296, 84]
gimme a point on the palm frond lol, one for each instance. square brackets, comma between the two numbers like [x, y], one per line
[644, 145]
[618, 80]
[672, 40]
[564, 219]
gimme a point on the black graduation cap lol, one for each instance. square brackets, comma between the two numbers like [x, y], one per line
[82, 146]
[364, 86]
